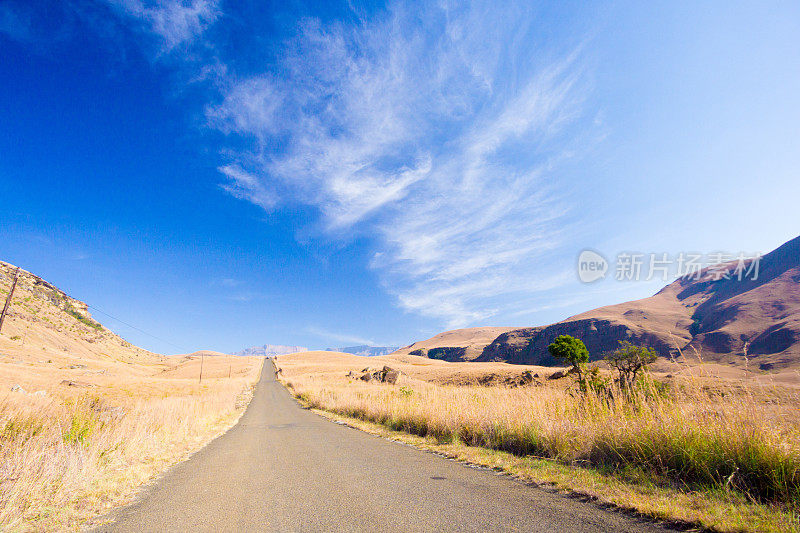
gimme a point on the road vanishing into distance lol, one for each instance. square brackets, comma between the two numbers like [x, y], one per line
[284, 468]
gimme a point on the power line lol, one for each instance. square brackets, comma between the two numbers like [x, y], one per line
[137, 329]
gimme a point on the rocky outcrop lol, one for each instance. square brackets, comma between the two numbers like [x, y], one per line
[562, 373]
[79, 384]
[46, 291]
[529, 345]
[447, 353]
[526, 378]
[384, 375]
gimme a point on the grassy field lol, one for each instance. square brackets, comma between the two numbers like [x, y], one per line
[722, 454]
[65, 459]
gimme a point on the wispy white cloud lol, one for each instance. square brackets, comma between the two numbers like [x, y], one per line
[175, 22]
[246, 186]
[248, 108]
[439, 132]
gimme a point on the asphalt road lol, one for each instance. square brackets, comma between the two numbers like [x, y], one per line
[284, 468]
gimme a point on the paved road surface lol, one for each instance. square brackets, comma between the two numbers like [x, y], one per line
[283, 468]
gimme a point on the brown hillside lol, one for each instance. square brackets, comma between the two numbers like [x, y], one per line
[455, 345]
[50, 339]
[89, 417]
[743, 322]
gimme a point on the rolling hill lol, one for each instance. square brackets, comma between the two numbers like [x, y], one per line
[51, 342]
[747, 322]
[456, 345]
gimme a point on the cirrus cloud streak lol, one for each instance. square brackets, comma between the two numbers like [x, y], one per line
[440, 133]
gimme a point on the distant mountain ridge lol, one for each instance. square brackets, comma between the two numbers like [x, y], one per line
[753, 322]
[365, 350]
[271, 350]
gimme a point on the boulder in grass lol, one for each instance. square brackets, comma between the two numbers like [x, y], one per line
[488, 379]
[385, 375]
[79, 384]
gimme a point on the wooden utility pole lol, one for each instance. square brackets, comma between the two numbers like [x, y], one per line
[202, 358]
[8, 300]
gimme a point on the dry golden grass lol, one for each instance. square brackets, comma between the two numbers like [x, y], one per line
[86, 417]
[705, 452]
[67, 458]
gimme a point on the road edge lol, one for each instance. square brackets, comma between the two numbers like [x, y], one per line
[498, 461]
[108, 517]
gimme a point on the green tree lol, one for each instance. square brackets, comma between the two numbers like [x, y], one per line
[629, 360]
[571, 350]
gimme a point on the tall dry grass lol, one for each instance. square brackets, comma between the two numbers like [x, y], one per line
[688, 437]
[63, 461]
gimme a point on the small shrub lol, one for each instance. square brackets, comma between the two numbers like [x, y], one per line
[629, 360]
[594, 381]
[571, 350]
[80, 318]
[652, 388]
[81, 426]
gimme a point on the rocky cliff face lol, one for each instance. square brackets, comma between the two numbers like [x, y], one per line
[723, 320]
[365, 350]
[37, 287]
[44, 317]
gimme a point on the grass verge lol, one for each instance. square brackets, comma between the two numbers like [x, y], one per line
[686, 457]
[706, 510]
[65, 461]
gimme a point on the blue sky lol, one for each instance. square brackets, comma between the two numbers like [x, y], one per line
[221, 174]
